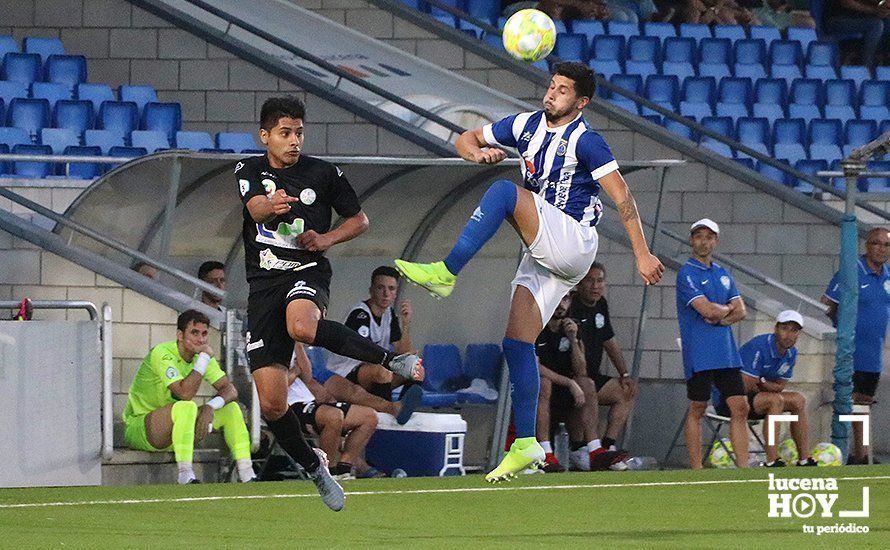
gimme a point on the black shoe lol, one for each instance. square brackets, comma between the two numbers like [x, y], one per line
[777, 463]
[194, 482]
[853, 461]
[808, 462]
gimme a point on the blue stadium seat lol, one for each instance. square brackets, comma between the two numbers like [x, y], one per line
[236, 141]
[2, 110]
[885, 127]
[50, 91]
[654, 119]
[21, 67]
[443, 372]
[571, 47]
[789, 130]
[631, 82]
[45, 46]
[679, 57]
[5, 167]
[790, 152]
[882, 72]
[821, 61]
[874, 98]
[804, 35]
[486, 10]
[753, 131]
[96, 93]
[720, 148]
[484, 361]
[773, 173]
[10, 90]
[840, 182]
[732, 32]
[879, 183]
[8, 45]
[770, 98]
[140, 95]
[856, 73]
[840, 96]
[11, 136]
[784, 59]
[747, 162]
[470, 28]
[810, 167]
[606, 54]
[860, 132]
[623, 28]
[58, 139]
[118, 116]
[765, 33]
[73, 114]
[104, 139]
[805, 99]
[589, 28]
[122, 151]
[25, 169]
[680, 129]
[194, 140]
[82, 170]
[643, 53]
[494, 41]
[826, 131]
[318, 358]
[69, 70]
[733, 96]
[164, 117]
[437, 12]
[151, 140]
[696, 31]
[720, 124]
[659, 30]
[30, 114]
[663, 90]
[749, 57]
[714, 56]
[697, 97]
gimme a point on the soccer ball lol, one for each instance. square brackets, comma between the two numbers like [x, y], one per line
[827, 454]
[788, 451]
[529, 35]
[721, 455]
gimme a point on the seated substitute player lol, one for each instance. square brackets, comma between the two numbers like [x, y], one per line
[568, 394]
[331, 420]
[288, 201]
[160, 413]
[376, 320]
[564, 164]
[214, 273]
[767, 365]
[591, 311]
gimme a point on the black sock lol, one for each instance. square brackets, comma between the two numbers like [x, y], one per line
[289, 435]
[342, 340]
[383, 391]
[575, 445]
[607, 442]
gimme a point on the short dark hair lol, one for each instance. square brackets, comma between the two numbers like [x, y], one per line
[209, 266]
[275, 108]
[598, 265]
[582, 75]
[191, 316]
[385, 271]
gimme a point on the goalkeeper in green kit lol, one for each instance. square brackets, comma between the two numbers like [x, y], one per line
[160, 414]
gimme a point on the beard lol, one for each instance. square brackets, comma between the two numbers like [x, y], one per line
[554, 115]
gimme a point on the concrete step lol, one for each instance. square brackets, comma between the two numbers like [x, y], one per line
[128, 467]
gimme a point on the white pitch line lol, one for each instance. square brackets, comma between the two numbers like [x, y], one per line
[411, 492]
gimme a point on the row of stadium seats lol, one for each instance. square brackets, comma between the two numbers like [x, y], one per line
[96, 94]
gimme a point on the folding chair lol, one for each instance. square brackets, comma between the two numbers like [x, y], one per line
[715, 423]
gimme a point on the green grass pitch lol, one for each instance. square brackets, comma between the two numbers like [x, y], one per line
[631, 509]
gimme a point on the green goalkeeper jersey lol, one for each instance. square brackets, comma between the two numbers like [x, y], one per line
[160, 368]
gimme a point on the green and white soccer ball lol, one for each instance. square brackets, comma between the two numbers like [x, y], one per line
[529, 35]
[828, 454]
[721, 455]
[788, 451]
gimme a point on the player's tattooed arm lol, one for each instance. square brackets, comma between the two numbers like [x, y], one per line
[628, 210]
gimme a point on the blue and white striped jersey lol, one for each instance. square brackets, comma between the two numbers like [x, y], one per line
[561, 164]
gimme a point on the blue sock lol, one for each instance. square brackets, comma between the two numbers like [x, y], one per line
[525, 383]
[497, 203]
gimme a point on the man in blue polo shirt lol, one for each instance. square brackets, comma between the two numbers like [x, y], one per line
[767, 365]
[707, 304]
[871, 325]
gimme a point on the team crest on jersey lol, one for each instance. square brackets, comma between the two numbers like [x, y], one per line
[307, 196]
[887, 287]
[361, 315]
[564, 344]
[269, 186]
[599, 320]
[244, 186]
[171, 373]
[724, 280]
[562, 147]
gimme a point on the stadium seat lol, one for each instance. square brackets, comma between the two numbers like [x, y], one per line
[733, 96]
[58, 139]
[810, 167]
[195, 141]
[8, 45]
[318, 358]
[821, 61]
[663, 90]
[875, 96]
[697, 97]
[747, 162]
[749, 57]
[21, 67]
[719, 124]
[2, 110]
[571, 47]
[606, 53]
[825, 151]
[486, 10]
[438, 12]
[879, 183]
[96, 93]
[643, 53]
[805, 99]
[236, 141]
[69, 70]
[825, 131]
[804, 35]
[714, 56]
[5, 167]
[696, 31]
[680, 129]
[30, 114]
[151, 140]
[630, 82]
[659, 30]
[118, 116]
[11, 136]
[470, 28]
[840, 96]
[750, 131]
[731, 32]
[123, 151]
[494, 41]
[885, 127]
[82, 170]
[73, 114]
[27, 169]
[10, 90]
[45, 46]
[784, 59]
[163, 117]
[623, 28]
[443, 374]
[856, 73]
[840, 182]
[790, 139]
[790, 152]
[104, 139]
[882, 72]
[770, 98]
[765, 33]
[679, 57]
[50, 91]
[860, 132]
[484, 361]
[773, 173]
[720, 148]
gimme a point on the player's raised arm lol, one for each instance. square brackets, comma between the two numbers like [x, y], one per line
[648, 265]
[471, 146]
[263, 208]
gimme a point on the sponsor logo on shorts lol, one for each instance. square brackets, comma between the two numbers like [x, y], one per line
[255, 345]
[269, 261]
[300, 287]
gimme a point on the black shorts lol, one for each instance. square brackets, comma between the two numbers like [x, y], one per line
[866, 383]
[723, 408]
[268, 341]
[306, 412]
[600, 380]
[728, 381]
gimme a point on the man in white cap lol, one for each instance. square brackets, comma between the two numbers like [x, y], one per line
[708, 303]
[767, 366]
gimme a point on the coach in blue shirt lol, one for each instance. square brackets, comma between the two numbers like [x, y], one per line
[871, 324]
[707, 304]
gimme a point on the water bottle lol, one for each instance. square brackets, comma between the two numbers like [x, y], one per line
[398, 472]
[561, 444]
[642, 463]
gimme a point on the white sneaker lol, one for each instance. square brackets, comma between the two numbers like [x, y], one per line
[579, 460]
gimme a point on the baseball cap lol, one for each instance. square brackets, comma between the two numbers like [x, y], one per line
[706, 222]
[790, 315]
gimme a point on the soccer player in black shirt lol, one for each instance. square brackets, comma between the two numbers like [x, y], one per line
[288, 198]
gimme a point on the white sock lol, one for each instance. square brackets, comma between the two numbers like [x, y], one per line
[594, 445]
[245, 470]
[613, 448]
[186, 473]
[546, 446]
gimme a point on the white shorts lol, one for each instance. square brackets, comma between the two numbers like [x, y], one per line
[558, 259]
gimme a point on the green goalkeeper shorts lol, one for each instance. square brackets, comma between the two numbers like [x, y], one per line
[136, 437]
